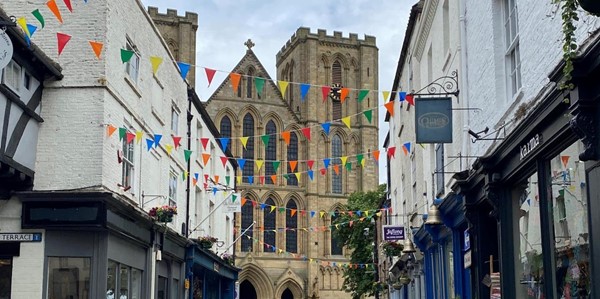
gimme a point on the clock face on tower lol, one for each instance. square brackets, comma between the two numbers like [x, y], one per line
[335, 92]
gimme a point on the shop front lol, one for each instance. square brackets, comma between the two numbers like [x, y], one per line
[532, 203]
[209, 275]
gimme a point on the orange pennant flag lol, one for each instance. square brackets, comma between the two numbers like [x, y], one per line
[390, 107]
[286, 137]
[344, 94]
[376, 155]
[293, 165]
[54, 9]
[274, 179]
[235, 81]
[205, 157]
[336, 168]
[293, 212]
[110, 129]
[216, 179]
[97, 47]
[243, 201]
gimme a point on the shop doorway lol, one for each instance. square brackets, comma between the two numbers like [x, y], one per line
[287, 294]
[5, 277]
[247, 290]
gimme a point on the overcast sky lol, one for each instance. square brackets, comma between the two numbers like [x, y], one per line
[224, 26]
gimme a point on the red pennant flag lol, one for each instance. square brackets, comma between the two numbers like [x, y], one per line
[224, 160]
[210, 74]
[376, 155]
[344, 94]
[274, 179]
[253, 203]
[110, 129]
[390, 107]
[391, 152]
[325, 90]
[350, 213]
[323, 171]
[310, 164]
[97, 48]
[351, 222]
[204, 142]
[293, 165]
[336, 168]
[565, 160]
[205, 186]
[306, 132]
[176, 141]
[286, 137]
[303, 212]
[261, 179]
[235, 81]
[206, 177]
[410, 99]
[130, 137]
[68, 4]
[62, 39]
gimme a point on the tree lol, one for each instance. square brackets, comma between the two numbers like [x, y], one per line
[359, 239]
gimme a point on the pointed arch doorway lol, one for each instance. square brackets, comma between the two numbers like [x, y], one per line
[247, 290]
[287, 294]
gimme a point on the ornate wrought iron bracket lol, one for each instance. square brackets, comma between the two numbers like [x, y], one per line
[11, 23]
[442, 86]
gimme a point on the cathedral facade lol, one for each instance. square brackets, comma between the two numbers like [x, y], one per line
[288, 251]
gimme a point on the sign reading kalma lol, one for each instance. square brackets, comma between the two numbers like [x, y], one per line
[433, 117]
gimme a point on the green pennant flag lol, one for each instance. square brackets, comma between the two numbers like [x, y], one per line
[286, 176]
[348, 166]
[359, 158]
[233, 197]
[122, 133]
[368, 114]
[126, 55]
[187, 154]
[260, 83]
[36, 13]
[362, 94]
[265, 139]
[281, 210]
[227, 179]
[276, 165]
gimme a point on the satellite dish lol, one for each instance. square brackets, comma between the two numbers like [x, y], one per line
[6, 49]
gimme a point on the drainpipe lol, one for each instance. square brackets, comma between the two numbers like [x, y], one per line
[189, 148]
[464, 81]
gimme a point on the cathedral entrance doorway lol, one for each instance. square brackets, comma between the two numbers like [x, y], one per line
[247, 290]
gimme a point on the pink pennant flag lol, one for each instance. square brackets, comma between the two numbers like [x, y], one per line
[210, 74]
[62, 39]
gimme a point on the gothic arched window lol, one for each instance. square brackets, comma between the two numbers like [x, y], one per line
[247, 219]
[248, 153]
[336, 245]
[270, 224]
[336, 152]
[270, 151]
[292, 155]
[291, 225]
[225, 130]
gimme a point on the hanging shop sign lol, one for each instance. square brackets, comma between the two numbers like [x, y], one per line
[467, 259]
[467, 244]
[393, 233]
[433, 117]
[232, 204]
[6, 49]
[529, 146]
[20, 237]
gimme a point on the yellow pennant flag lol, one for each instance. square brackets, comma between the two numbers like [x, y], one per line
[239, 179]
[185, 175]
[297, 176]
[244, 141]
[23, 23]
[138, 136]
[272, 209]
[169, 149]
[346, 121]
[155, 61]
[386, 95]
[322, 213]
[344, 159]
[337, 226]
[367, 213]
[259, 163]
[362, 162]
[282, 87]
[378, 214]
[280, 250]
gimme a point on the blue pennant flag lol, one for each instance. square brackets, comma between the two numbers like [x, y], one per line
[149, 142]
[250, 180]
[196, 176]
[304, 90]
[32, 30]
[311, 174]
[184, 68]
[359, 213]
[274, 248]
[402, 95]
[215, 190]
[157, 139]
[312, 214]
[326, 162]
[407, 146]
[326, 127]
[263, 206]
[224, 142]
[241, 163]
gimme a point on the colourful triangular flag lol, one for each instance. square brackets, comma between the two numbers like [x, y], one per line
[349, 166]
[368, 114]
[293, 212]
[410, 99]
[23, 24]
[336, 169]
[346, 121]
[286, 137]
[259, 164]
[312, 214]
[241, 162]
[282, 87]
[402, 96]
[110, 129]
[68, 4]
[184, 68]
[187, 154]
[265, 139]
[326, 162]
[376, 155]
[97, 48]
[275, 165]
[325, 90]
[304, 90]
[157, 138]
[322, 213]
[138, 136]
[156, 62]
[238, 179]
[224, 160]
[227, 179]
[149, 143]
[362, 94]
[344, 94]
[244, 141]
[306, 132]
[130, 137]
[126, 55]
[293, 165]
[260, 83]
[386, 95]
[169, 148]
[122, 132]
[36, 13]
[323, 171]
[176, 141]
[274, 179]
[272, 209]
[224, 141]
[360, 158]
[391, 152]
[565, 160]
[390, 107]
[310, 174]
[235, 81]
[250, 180]
[326, 126]
[62, 40]
[54, 9]
[216, 179]
[407, 147]
[310, 163]
[210, 74]
[205, 158]
[204, 142]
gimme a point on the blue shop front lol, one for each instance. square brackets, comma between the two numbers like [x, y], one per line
[210, 277]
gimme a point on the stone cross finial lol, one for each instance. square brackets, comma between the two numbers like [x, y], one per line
[249, 44]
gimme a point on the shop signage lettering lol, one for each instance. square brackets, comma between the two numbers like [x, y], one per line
[393, 233]
[6, 49]
[468, 259]
[531, 145]
[467, 241]
[20, 237]
[433, 120]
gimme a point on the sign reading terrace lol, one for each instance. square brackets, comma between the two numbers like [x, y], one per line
[393, 233]
[20, 237]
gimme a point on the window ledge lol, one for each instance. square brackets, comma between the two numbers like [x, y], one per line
[158, 116]
[518, 96]
[133, 86]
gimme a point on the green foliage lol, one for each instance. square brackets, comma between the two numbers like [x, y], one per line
[569, 17]
[360, 281]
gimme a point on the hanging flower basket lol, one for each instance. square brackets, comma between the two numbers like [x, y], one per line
[207, 242]
[163, 214]
[228, 258]
[392, 249]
